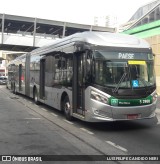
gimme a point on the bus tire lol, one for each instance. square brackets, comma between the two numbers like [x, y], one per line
[67, 108]
[35, 97]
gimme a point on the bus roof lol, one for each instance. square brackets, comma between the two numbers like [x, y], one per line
[98, 39]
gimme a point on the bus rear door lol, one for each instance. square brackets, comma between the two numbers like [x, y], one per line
[42, 79]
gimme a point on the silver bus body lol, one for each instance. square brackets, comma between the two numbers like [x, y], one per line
[57, 75]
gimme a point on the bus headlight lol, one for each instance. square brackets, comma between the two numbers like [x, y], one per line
[98, 97]
[154, 97]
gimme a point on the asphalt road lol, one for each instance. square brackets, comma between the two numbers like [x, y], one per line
[28, 129]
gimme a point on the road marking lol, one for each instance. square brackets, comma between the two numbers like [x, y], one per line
[158, 118]
[71, 123]
[54, 114]
[32, 118]
[44, 109]
[117, 146]
[158, 122]
[89, 132]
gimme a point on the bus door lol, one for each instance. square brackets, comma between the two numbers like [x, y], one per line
[20, 77]
[78, 84]
[27, 75]
[42, 79]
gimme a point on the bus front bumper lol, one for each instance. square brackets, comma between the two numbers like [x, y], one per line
[100, 112]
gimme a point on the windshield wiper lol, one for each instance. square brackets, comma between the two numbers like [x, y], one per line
[118, 85]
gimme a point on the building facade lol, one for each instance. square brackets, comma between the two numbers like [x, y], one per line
[147, 26]
[106, 21]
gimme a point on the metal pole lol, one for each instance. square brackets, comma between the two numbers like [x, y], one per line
[91, 28]
[64, 30]
[34, 32]
[2, 38]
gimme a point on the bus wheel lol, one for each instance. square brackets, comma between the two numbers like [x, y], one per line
[35, 97]
[67, 108]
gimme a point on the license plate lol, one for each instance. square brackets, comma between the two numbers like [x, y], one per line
[132, 116]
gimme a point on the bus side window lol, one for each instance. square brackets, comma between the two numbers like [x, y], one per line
[66, 68]
[61, 64]
[63, 70]
[49, 66]
[107, 75]
[57, 70]
[88, 70]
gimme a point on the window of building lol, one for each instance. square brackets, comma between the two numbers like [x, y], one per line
[158, 13]
[145, 20]
[152, 16]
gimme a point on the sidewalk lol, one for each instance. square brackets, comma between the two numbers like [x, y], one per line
[158, 105]
[158, 102]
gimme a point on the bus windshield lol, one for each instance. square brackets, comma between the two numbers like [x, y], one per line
[124, 73]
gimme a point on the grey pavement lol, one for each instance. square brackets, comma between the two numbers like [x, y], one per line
[158, 102]
[158, 105]
[24, 132]
[25, 129]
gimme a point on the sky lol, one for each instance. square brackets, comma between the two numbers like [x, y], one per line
[76, 11]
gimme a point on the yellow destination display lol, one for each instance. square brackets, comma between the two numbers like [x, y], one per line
[136, 62]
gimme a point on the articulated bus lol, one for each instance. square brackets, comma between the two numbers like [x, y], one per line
[92, 76]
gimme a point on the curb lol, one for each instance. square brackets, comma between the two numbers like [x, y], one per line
[157, 111]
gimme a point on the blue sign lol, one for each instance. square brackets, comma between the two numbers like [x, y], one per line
[135, 83]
